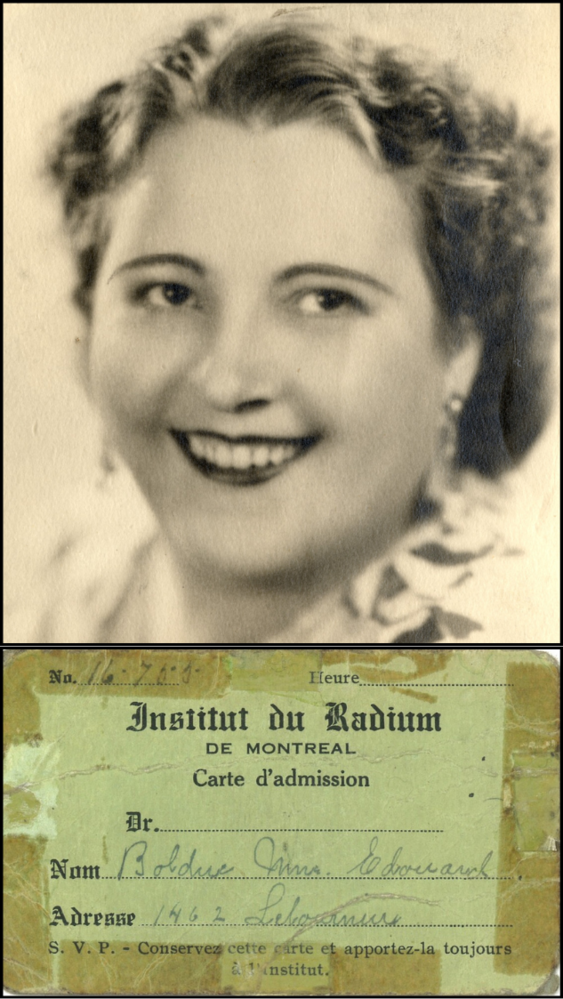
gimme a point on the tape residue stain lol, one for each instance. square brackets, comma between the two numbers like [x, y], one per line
[30, 790]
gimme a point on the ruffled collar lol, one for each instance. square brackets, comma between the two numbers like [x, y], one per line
[429, 588]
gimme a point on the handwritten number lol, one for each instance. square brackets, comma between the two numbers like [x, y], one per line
[218, 916]
[93, 673]
[193, 915]
[105, 677]
[146, 667]
[174, 913]
[99, 675]
[162, 675]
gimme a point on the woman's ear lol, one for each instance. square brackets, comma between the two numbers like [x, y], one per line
[463, 362]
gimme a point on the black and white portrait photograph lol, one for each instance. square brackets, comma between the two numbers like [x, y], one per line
[280, 323]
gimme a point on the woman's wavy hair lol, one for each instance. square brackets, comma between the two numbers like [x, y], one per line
[479, 181]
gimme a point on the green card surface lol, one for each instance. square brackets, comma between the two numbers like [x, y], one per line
[262, 822]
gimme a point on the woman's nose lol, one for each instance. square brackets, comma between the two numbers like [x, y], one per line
[235, 370]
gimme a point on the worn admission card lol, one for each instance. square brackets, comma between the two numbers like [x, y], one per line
[314, 822]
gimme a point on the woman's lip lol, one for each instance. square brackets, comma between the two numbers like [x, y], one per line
[245, 460]
[248, 438]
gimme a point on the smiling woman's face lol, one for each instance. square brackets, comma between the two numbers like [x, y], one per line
[264, 348]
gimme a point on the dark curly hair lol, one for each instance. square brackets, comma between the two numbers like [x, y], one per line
[480, 183]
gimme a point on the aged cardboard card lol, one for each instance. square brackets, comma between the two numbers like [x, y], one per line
[281, 822]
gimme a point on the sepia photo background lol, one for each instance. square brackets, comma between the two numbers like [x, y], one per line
[57, 54]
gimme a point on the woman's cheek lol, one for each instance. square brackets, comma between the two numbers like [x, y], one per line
[130, 379]
[407, 404]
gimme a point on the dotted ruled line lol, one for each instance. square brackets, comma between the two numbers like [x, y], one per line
[344, 926]
[285, 829]
[295, 877]
[184, 683]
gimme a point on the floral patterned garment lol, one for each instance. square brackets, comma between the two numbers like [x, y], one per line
[449, 580]
[439, 584]
[425, 590]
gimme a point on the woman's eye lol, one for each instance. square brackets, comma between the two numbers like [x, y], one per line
[325, 300]
[165, 294]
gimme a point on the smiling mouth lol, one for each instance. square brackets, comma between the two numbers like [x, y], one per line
[241, 461]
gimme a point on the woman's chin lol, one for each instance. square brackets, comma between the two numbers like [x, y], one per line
[261, 562]
[267, 558]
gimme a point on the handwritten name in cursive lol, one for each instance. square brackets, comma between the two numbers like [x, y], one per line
[373, 864]
[135, 864]
[268, 858]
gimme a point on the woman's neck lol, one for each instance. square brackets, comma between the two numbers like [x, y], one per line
[223, 609]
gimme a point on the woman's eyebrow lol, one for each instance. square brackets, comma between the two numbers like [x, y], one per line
[161, 258]
[332, 270]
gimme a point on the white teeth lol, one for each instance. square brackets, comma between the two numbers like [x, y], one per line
[198, 446]
[277, 454]
[260, 456]
[223, 456]
[211, 451]
[240, 456]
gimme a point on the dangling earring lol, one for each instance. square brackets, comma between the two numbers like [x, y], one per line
[442, 476]
[452, 408]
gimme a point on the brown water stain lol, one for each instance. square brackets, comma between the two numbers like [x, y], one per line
[26, 933]
[530, 900]
[119, 971]
[393, 974]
